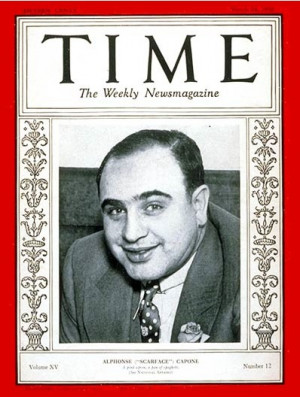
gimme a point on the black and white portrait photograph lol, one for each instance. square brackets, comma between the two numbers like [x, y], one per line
[150, 240]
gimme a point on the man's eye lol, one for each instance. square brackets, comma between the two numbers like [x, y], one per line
[154, 208]
[115, 211]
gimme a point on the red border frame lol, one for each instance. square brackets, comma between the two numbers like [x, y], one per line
[9, 10]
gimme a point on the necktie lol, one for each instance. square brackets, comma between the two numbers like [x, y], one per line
[149, 315]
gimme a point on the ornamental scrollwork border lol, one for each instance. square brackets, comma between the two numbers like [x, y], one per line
[34, 196]
[265, 238]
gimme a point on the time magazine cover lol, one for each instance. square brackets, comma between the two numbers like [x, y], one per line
[150, 196]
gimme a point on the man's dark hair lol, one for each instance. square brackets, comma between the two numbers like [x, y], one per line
[183, 148]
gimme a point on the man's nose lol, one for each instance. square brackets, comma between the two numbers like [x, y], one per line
[134, 228]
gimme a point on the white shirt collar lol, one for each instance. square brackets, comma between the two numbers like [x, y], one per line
[177, 277]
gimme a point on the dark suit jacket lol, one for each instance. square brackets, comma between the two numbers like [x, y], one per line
[99, 300]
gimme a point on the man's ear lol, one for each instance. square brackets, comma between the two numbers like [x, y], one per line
[200, 202]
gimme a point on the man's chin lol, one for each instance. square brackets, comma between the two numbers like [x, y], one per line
[143, 272]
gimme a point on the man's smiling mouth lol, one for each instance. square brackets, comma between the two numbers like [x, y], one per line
[139, 254]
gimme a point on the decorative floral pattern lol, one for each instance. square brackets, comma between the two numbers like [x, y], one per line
[264, 240]
[34, 192]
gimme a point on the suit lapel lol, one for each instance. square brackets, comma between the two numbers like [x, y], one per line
[201, 294]
[108, 305]
[135, 331]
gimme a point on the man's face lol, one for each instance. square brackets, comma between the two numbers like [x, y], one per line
[150, 222]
